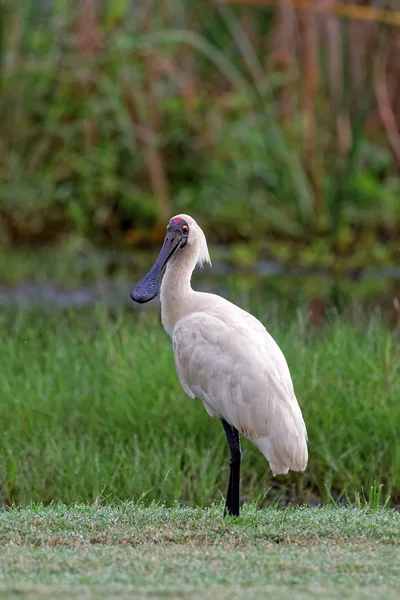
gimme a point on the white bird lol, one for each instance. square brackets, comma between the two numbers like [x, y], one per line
[225, 357]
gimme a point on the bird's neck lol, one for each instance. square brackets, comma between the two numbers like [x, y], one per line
[176, 290]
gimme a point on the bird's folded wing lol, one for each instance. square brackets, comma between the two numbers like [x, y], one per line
[240, 373]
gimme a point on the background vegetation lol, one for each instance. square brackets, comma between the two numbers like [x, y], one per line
[260, 120]
[87, 417]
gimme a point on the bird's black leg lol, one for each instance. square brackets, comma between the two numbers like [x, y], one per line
[232, 496]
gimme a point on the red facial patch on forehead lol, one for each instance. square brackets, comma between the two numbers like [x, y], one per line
[177, 222]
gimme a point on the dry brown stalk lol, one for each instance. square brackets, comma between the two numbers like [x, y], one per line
[351, 11]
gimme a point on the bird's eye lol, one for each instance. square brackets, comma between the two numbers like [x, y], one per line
[185, 227]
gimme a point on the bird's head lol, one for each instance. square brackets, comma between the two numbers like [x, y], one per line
[183, 236]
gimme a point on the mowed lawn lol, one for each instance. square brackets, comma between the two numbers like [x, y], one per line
[130, 551]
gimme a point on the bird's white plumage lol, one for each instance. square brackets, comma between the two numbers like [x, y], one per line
[225, 357]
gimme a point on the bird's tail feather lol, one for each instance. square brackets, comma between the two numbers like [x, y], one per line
[282, 457]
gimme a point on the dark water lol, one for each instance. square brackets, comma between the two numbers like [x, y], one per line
[266, 282]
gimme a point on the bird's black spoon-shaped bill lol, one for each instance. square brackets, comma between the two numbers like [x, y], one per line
[149, 286]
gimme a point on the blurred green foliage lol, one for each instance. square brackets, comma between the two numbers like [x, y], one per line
[114, 117]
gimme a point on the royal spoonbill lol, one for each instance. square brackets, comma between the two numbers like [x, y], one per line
[225, 357]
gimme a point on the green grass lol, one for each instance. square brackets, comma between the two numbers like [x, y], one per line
[91, 408]
[125, 550]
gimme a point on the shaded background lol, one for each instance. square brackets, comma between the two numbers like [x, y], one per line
[274, 123]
